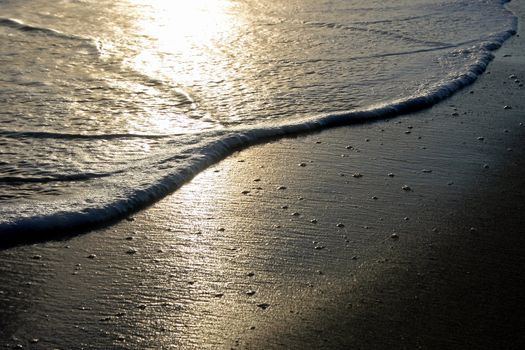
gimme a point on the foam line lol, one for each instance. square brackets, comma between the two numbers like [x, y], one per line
[39, 227]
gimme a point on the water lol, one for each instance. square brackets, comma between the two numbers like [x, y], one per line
[106, 106]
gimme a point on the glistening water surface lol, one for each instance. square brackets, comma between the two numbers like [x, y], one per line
[108, 105]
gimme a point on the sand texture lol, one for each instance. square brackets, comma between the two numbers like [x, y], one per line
[399, 234]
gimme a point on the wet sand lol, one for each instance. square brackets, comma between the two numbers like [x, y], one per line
[401, 234]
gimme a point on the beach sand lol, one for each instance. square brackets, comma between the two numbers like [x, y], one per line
[405, 233]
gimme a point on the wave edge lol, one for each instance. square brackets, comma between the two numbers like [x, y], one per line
[39, 227]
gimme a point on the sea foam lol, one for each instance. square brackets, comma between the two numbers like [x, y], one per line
[125, 187]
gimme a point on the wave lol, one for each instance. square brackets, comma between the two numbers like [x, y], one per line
[403, 19]
[377, 31]
[24, 27]
[38, 227]
[387, 54]
[66, 136]
[53, 178]
[93, 46]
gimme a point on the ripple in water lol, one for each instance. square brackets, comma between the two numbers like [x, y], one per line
[106, 106]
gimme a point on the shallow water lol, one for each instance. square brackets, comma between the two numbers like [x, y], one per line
[106, 106]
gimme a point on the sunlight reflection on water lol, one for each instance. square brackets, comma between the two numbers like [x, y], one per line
[118, 102]
[178, 36]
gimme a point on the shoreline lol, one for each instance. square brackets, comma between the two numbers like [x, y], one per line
[62, 224]
[403, 233]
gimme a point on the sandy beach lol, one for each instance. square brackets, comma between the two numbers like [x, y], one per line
[398, 234]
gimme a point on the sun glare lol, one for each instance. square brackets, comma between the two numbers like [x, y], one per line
[179, 33]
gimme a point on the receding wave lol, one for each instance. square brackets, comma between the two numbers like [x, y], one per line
[66, 136]
[53, 178]
[206, 154]
[24, 27]
[377, 31]
[403, 19]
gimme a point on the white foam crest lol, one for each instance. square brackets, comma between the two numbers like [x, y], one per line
[84, 216]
